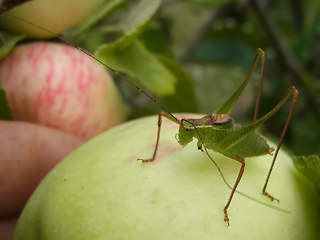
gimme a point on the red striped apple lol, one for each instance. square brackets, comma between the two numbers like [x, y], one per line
[60, 87]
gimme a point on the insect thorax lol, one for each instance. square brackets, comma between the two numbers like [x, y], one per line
[210, 127]
[218, 120]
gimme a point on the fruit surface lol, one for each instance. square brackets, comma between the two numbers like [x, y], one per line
[101, 192]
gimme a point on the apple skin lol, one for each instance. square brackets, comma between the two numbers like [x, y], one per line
[54, 15]
[58, 86]
[100, 191]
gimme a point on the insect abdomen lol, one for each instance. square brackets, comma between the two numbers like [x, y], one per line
[250, 146]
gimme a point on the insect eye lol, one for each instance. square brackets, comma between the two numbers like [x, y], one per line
[225, 122]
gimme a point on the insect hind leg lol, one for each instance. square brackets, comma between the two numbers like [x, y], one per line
[294, 93]
[225, 209]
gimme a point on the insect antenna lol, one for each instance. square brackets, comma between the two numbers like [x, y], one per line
[121, 75]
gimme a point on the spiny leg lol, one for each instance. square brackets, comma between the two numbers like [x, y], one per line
[225, 210]
[170, 117]
[285, 128]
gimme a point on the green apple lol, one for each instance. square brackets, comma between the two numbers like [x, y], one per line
[101, 191]
[55, 15]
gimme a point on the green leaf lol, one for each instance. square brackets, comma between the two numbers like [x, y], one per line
[5, 110]
[184, 99]
[116, 30]
[310, 167]
[103, 10]
[139, 16]
[134, 21]
[141, 64]
[155, 39]
[129, 55]
[8, 41]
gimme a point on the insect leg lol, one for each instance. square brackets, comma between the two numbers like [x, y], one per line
[285, 128]
[229, 104]
[225, 210]
[256, 109]
[170, 117]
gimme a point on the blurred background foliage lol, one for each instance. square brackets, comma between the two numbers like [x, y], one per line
[215, 42]
[199, 52]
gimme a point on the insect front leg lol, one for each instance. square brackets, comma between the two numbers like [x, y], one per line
[170, 117]
[225, 210]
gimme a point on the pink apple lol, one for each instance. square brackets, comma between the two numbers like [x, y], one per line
[58, 86]
[54, 15]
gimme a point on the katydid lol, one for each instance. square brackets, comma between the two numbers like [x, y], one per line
[220, 133]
